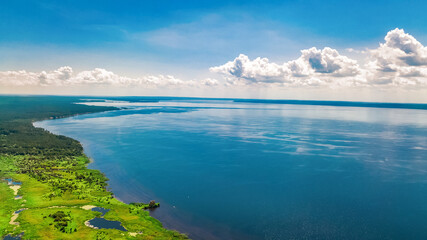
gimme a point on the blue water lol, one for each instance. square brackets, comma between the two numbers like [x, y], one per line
[10, 237]
[11, 182]
[102, 223]
[103, 211]
[241, 170]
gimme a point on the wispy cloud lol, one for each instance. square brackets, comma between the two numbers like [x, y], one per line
[221, 34]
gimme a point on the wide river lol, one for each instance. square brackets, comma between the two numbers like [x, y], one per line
[228, 170]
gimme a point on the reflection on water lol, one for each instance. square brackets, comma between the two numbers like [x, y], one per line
[225, 170]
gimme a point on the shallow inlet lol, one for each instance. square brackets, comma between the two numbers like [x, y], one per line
[103, 211]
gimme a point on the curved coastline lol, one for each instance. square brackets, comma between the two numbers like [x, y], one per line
[170, 222]
[181, 223]
[92, 160]
[56, 184]
[171, 217]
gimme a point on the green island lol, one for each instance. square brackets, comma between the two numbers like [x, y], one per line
[46, 189]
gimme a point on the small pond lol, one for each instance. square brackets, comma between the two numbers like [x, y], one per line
[106, 224]
[20, 210]
[10, 237]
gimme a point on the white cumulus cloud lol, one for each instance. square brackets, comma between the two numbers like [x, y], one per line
[313, 67]
[64, 76]
[401, 60]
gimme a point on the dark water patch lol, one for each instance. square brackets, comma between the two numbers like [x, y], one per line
[106, 224]
[103, 211]
[20, 210]
[10, 237]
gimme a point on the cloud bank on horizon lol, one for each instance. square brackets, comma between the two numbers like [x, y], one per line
[399, 61]
[64, 76]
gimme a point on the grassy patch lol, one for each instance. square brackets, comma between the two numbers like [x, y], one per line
[8, 206]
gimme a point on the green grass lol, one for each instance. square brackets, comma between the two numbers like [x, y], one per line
[8, 206]
[37, 224]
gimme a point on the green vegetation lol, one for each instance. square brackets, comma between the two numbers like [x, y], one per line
[139, 207]
[64, 222]
[19, 137]
[57, 189]
[8, 206]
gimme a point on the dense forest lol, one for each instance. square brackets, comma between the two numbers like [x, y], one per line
[19, 137]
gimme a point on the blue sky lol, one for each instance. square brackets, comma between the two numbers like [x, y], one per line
[186, 38]
[64, 22]
[111, 26]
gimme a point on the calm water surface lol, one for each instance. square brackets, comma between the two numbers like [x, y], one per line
[224, 170]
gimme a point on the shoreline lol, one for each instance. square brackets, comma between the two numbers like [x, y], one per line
[91, 159]
[53, 170]
[168, 216]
